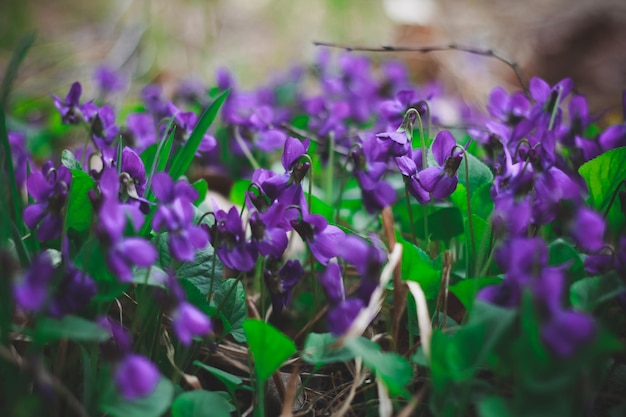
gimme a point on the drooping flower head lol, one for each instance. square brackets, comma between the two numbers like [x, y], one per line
[441, 180]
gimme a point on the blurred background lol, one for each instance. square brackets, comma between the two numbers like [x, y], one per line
[169, 40]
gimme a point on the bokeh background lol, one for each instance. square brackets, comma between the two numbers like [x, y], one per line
[169, 40]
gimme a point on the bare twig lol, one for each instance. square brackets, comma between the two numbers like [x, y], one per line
[434, 48]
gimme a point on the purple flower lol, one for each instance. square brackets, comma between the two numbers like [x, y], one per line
[143, 129]
[229, 240]
[566, 331]
[74, 292]
[368, 170]
[72, 112]
[323, 239]
[269, 231]
[587, 228]
[109, 80]
[103, 127]
[332, 282]
[368, 259]
[188, 322]
[508, 109]
[176, 215]
[32, 291]
[395, 143]
[133, 176]
[281, 283]
[340, 317]
[50, 189]
[441, 180]
[136, 377]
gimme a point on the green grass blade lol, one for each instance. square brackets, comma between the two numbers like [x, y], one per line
[185, 155]
[7, 172]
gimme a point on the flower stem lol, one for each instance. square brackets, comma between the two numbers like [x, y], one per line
[408, 206]
[608, 208]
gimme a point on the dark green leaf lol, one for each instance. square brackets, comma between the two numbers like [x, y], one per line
[79, 209]
[153, 276]
[466, 289]
[232, 382]
[185, 155]
[603, 175]
[196, 298]
[588, 293]
[320, 349]
[199, 271]
[479, 173]
[269, 347]
[69, 327]
[154, 405]
[493, 407]
[91, 259]
[561, 252]
[417, 266]
[69, 160]
[392, 369]
[234, 308]
[201, 404]
[444, 223]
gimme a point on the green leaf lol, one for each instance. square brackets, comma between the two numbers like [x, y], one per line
[199, 271]
[232, 382]
[444, 223]
[154, 405]
[320, 349]
[561, 252]
[603, 175]
[69, 160]
[69, 327]
[153, 276]
[201, 187]
[201, 404]
[269, 347]
[79, 209]
[148, 156]
[479, 173]
[417, 266]
[234, 309]
[238, 192]
[466, 290]
[185, 155]
[392, 369]
[196, 298]
[91, 259]
[320, 207]
[588, 293]
[493, 407]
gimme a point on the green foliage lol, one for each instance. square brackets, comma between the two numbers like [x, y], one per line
[154, 405]
[199, 271]
[603, 175]
[233, 308]
[417, 266]
[392, 369]
[322, 349]
[269, 347]
[185, 155]
[79, 209]
[201, 404]
[480, 174]
[466, 290]
[588, 293]
[70, 328]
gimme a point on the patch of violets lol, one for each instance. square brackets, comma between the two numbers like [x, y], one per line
[369, 119]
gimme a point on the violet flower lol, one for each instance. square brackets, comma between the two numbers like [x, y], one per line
[72, 112]
[136, 377]
[340, 317]
[188, 322]
[32, 290]
[282, 282]
[229, 241]
[323, 239]
[368, 259]
[332, 282]
[269, 231]
[109, 80]
[441, 180]
[143, 130]
[50, 190]
[176, 215]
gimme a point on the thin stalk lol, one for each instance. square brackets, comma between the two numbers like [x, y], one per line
[555, 108]
[342, 187]
[469, 199]
[408, 206]
[214, 258]
[246, 151]
[435, 48]
[172, 128]
[330, 171]
[424, 164]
